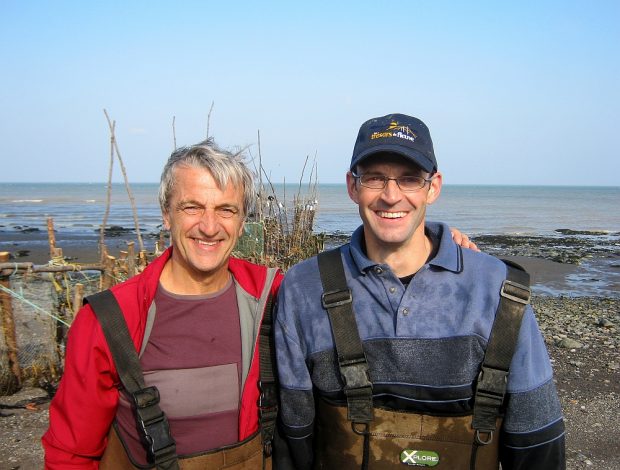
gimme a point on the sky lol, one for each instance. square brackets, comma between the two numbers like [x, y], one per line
[524, 93]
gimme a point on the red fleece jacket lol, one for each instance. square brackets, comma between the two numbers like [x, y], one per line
[84, 407]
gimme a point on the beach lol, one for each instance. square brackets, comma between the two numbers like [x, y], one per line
[584, 345]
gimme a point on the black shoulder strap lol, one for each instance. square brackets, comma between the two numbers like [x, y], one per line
[268, 399]
[338, 302]
[491, 387]
[152, 423]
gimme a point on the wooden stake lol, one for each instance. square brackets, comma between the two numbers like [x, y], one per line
[142, 260]
[107, 277]
[131, 259]
[51, 237]
[78, 299]
[8, 324]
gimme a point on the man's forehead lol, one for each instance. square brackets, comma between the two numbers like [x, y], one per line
[197, 183]
[382, 161]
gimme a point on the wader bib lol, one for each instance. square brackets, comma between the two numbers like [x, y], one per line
[252, 453]
[362, 436]
[246, 455]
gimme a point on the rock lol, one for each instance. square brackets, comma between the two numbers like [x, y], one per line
[569, 343]
[604, 322]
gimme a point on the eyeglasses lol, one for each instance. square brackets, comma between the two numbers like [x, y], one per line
[407, 184]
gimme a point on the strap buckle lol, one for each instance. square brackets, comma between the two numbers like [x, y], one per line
[155, 429]
[492, 384]
[267, 401]
[145, 397]
[515, 291]
[267, 414]
[354, 374]
[336, 298]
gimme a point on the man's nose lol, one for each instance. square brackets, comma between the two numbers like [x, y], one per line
[209, 222]
[392, 191]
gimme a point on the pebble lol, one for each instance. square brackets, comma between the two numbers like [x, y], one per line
[569, 343]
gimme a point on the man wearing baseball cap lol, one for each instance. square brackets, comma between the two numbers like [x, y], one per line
[401, 347]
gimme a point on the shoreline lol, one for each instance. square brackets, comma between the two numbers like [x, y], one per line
[573, 265]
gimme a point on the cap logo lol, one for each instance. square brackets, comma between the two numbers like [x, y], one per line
[395, 130]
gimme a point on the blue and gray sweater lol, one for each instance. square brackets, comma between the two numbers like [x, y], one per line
[424, 344]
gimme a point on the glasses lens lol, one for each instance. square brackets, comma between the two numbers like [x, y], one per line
[373, 181]
[411, 183]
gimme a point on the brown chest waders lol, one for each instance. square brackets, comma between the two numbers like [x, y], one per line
[252, 453]
[246, 455]
[376, 438]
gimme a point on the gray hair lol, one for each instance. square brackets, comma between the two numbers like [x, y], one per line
[225, 167]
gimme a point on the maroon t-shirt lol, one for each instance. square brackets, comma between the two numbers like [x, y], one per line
[193, 357]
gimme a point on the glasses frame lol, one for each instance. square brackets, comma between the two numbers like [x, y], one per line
[386, 179]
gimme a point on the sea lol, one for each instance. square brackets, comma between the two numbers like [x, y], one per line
[591, 213]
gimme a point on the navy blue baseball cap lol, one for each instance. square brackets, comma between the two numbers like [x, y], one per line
[396, 133]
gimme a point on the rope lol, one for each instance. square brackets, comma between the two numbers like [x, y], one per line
[36, 307]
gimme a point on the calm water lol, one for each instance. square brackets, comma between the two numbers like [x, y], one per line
[474, 209]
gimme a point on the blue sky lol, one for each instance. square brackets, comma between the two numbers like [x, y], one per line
[513, 92]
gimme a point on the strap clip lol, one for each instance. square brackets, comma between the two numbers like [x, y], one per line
[145, 397]
[155, 429]
[492, 384]
[354, 374]
[267, 414]
[336, 298]
[515, 291]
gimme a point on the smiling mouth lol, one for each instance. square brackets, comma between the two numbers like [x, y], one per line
[391, 215]
[204, 243]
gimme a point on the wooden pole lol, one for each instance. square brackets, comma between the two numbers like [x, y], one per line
[107, 277]
[7, 269]
[142, 260]
[127, 187]
[51, 237]
[108, 198]
[131, 259]
[78, 298]
[8, 324]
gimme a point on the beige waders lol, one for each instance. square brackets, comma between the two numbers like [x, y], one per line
[247, 455]
[397, 439]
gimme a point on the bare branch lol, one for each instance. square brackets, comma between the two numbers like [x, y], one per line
[129, 193]
[209, 118]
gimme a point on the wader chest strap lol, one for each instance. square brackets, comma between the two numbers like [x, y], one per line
[268, 400]
[491, 386]
[152, 423]
[338, 302]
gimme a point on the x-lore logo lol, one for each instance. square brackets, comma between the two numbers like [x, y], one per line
[419, 458]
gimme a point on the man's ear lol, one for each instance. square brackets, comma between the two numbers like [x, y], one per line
[241, 228]
[352, 187]
[166, 218]
[435, 188]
